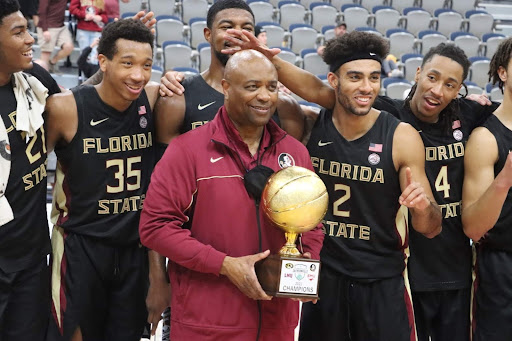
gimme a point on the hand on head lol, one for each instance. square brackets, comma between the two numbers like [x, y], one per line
[245, 40]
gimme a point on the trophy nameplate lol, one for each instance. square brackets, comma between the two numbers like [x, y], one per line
[282, 276]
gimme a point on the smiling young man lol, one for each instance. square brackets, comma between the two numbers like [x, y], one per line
[103, 138]
[203, 94]
[199, 214]
[439, 268]
[373, 167]
[24, 239]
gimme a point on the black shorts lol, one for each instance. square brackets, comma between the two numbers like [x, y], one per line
[97, 287]
[492, 311]
[24, 303]
[358, 311]
[442, 315]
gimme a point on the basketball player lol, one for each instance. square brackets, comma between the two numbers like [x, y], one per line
[487, 208]
[103, 137]
[24, 239]
[199, 214]
[439, 268]
[203, 93]
[373, 167]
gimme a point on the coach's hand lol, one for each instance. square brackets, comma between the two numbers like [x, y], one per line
[240, 271]
[413, 195]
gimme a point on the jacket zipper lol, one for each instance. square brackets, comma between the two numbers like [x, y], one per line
[257, 204]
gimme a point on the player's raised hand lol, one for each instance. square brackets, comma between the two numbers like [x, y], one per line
[413, 195]
[147, 19]
[240, 271]
[245, 40]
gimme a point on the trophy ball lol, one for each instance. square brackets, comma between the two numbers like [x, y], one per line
[295, 199]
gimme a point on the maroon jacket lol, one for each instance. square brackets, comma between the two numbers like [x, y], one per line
[197, 211]
[79, 9]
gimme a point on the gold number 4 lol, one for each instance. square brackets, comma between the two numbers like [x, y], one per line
[442, 184]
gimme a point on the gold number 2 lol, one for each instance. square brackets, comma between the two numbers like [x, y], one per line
[335, 210]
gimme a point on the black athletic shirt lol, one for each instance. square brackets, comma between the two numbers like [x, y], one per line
[365, 226]
[25, 241]
[444, 262]
[104, 172]
[500, 236]
[202, 103]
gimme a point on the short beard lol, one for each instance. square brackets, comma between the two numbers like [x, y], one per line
[347, 106]
[222, 57]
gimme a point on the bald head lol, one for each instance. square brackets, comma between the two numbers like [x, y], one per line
[250, 88]
[239, 61]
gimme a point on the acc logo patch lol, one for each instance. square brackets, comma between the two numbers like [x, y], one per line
[5, 150]
[285, 160]
[373, 159]
[143, 122]
[458, 135]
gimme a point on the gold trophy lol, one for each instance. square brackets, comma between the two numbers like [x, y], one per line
[295, 200]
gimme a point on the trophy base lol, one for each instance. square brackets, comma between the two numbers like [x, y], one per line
[292, 277]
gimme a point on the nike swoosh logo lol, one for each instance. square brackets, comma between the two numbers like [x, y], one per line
[95, 123]
[212, 160]
[201, 107]
[321, 144]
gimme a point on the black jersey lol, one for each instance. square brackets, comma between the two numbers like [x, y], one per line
[500, 236]
[365, 226]
[443, 262]
[104, 172]
[202, 103]
[24, 241]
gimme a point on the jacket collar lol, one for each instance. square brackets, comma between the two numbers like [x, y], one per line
[224, 131]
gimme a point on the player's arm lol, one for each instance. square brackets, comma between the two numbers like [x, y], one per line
[290, 115]
[159, 291]
[61, 119]
[151, 89]
[409, 159]
[169, 114]
[483, 195]
[299, 81]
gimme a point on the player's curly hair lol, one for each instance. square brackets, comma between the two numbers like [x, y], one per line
[500, 58]
[455, 53]
[353, 43]
[8, 7]
[128, 29]
[225, 4]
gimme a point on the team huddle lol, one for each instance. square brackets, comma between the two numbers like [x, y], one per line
[151, 171]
